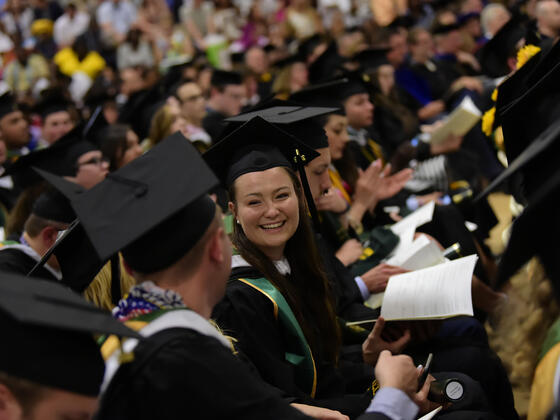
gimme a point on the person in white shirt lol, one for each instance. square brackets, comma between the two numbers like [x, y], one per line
[70, 25]
[115, 17]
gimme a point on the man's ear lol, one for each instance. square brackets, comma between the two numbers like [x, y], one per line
[232, 209]
[216, 248]
[9, 407]
[49, 235]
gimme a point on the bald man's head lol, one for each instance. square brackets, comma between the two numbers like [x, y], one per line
[547, 13]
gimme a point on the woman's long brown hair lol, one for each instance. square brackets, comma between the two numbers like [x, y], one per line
[308, 294]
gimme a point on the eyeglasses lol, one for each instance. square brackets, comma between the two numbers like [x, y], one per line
[94, 161]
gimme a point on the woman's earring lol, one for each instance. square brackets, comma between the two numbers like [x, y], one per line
[237, 220]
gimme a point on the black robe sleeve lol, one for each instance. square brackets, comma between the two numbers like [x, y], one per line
[192, 376]
[17, 262]
[248, 316]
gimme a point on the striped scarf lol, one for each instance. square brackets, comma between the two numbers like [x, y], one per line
[145, 298]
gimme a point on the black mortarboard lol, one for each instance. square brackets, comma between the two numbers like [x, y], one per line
[51, 101]
[52, 205]
[288, 61]
[47, 335]
[533, 154]
[95, 125]
[140, 108]
[221, 78]
[526, 119]
[254, 147]
[325, 94]
[465, 17]
[535, 232]
[371, 58]
[444, 28]
[60, 158]
[294, 118]
[357, 82]
[237, 58]
[511, 89]
[402, 22]
[494, 54]
[73, 243]
[308, 45]
[7, 104]
[326, 65]
[159, 198]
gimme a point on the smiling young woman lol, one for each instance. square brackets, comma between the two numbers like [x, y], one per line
[273, 229]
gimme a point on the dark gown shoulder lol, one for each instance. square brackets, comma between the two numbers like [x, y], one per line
[13, 260]
[191, 376]
[247, 315]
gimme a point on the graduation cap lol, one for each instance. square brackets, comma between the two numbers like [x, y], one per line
[60, 158]
[53, 205]
[326, 65]
[322, 94]
[140, 108]
[308, 45]
[7, 104]
[463, 18]
[159, 198]
[52, 101]
[256, 146]
[294, 118]
[535, 232]
[371, 58]
[444, 28]
[288, 61]
[95, 125]
[259, 145]
[406, 22]
[222, 78]
[528, 75]
[526, 119]
[237, 58]
[47, 335]
[494, 54]
[74, 242]
[356, 82]
[533, 153]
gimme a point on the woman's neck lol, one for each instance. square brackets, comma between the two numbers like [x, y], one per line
[274, 253]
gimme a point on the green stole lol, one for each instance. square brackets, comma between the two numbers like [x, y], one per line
[298, 353]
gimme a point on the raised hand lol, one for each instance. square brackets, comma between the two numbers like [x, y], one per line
[349, 252]
[376, 278]
[389, 185]
[331, 200]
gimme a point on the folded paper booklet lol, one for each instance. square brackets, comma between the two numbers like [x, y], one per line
[439, 292]
[421, 253]
[459, 122]
[418, 218]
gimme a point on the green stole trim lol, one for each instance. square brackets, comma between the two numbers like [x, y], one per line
[552, 338]
[298, 354]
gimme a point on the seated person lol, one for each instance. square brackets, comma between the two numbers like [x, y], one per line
[64, 378]
[51, 214]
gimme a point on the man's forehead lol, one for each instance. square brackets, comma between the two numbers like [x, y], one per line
[188, 89]
[16, 114]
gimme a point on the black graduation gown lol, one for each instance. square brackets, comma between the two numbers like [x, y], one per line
[15, 261]
[248, 316]
[180, 373]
